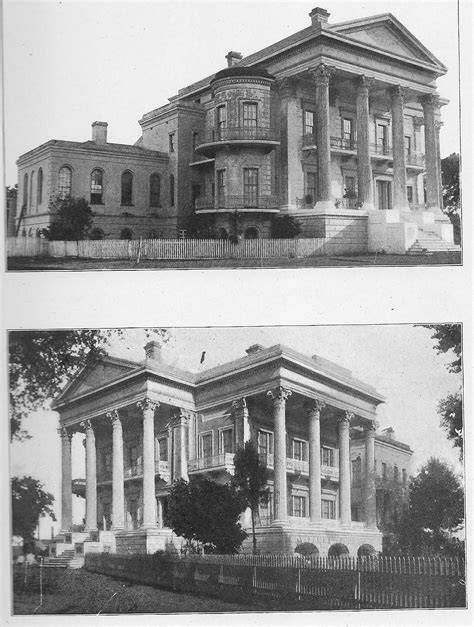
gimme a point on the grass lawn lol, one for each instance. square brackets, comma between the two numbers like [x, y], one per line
[83, 592]
[45, 263]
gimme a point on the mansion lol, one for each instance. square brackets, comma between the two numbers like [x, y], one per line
[336, 126]
[144, 425]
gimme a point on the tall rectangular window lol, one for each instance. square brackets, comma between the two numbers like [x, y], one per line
[171, 190]
[299, 450]
[221, 120]
[347, 133]
[171, 142]
[163, 449]
[250, 187]
[396, 474]
[221, 186]
[327, 456]
[298, 506]
[356, 471]
[206, 445]
[410, 193]
[310, 192]
[195, 140]
[404, 476]
[226, 441]
[382, 138]
[265, 443]
[309, 122]
[249, 117]
[328, 509]
[407, 146]
[384, 470]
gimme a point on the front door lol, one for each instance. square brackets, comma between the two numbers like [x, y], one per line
[384, 195]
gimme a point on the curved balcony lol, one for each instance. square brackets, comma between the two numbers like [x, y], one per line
[238, 136]
[225, 461]
[244, 204]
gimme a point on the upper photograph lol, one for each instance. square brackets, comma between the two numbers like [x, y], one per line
[278, 136]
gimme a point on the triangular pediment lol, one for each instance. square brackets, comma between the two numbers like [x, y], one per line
[388, 34]
[96, 375]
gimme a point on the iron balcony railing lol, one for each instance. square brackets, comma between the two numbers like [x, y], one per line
[415, 158]
[299, 466]
[224, 460]
[347, 203]
[309, 140]
[239, 133]
[342, 143]
[234, 203]
[381, 149]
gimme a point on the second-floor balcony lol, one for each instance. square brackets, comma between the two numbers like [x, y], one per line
[343, 144]
[224, 461]
[415, 159]
[162, 469]
[382, 150]
[262, 136]
[300, 467]
[245, 203]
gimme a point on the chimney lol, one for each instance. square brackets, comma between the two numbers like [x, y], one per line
[255, 348]
[152, 351]
[233, 58]
[388, 433]
[319, 17]
[99, 132]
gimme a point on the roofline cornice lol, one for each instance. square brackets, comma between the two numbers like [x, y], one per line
[78, 148]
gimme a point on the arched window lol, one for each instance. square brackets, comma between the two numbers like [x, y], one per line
[127, 185]
[155, 186]
[65, 180]
[39, 189]
[32, 180]
[171, 190]
[222, 233]
[126, 234]
[251, 233]
[97, 234]
[97, 178]
[25, 191]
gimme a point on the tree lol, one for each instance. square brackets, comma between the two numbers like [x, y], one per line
[71, 219]
[29, 502]
[436, 510]
[41, 361]
[449, 339]
[451, 192]
[250, 478]
[204, 511]
[285, 227]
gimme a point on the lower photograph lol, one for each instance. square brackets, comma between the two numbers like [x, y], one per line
[237, 469]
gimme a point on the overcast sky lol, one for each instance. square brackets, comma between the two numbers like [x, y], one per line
[70, 63]
[398, 360]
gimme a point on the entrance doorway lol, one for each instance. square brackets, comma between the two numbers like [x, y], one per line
[384, 195]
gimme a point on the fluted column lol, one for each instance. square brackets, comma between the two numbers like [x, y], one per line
[364, 167]
[91, 477]
[400, 200]
[370, 489]
[180, 449]
[322, 75]
[147, 407]
[430, 104]
[159, 502]
[66, 480]
[315, 462]
[344, 469]
[241, 421]
[438, 125]
[279, 396]
[290, 165]
[117, 471]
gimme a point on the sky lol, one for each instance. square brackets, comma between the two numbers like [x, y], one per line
[69, 63]
[398, 360]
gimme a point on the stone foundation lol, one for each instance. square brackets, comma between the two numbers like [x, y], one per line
[344, 231]
[147, 541]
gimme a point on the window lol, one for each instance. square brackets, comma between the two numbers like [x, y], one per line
[410, 193]
[404, 476]
[356, 471]
[384, 470]
[265, 444]
[171, 142]
[226, 441]
[195, 193]
[163, 449]
[195, 140]
[250, 187]
[31, 190]
[298, 506]
[171, 190]
[299, 450]
[310, 193]
[327, 456]
[97, 178]
[407, 146]
[133, 457]
[127, 187]
[25, 190]
[328, 508]
[309, 122]
[206, 445]
[221, 119]
[396, 474]
[382, 137]
[250, 115]
[107, 463]
[39, 190]
[155, 188]
[221, 186]
[347, 133]
[65, 180]
[349, 185]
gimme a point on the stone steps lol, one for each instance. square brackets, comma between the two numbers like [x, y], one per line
[428, 243]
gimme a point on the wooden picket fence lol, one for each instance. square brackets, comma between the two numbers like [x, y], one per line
[349, 583]
[169, 249]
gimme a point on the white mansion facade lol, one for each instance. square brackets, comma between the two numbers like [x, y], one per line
[337, 125]
[147, 424]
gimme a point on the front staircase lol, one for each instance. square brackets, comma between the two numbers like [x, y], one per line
[428, 243]
[67, 559]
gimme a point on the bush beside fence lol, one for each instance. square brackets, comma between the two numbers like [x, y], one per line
[350, 583]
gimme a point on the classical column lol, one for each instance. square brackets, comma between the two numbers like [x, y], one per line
[159, 504]
[241, 421]
[147, 407]
[181, 437]
[66, 480]
[118, 507]
[400, 200]
[438, 125]
[364, 168]
[370, 491]
[91, 477]
[430, 104]
[322, 75]
[279, 396]
[290, 165]
[344, 469]
[315, 462]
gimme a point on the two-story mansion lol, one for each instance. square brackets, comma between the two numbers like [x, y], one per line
[337, 125]
[147, 424]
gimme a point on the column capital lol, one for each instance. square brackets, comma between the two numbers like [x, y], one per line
[397, 91]
[239, 404]
[438, 124]
[316, 406]
[87, 425]
[364, 82]
[322, 73]
[182, 417]
[370, 429]
[65, 433]
[279, 394]
[430, 100]
[345, 420]
[114, 418]
[147, 406]
[287, 85]
[418, 121]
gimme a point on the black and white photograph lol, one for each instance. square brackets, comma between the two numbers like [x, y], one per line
[237, 469]
[244, 134]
